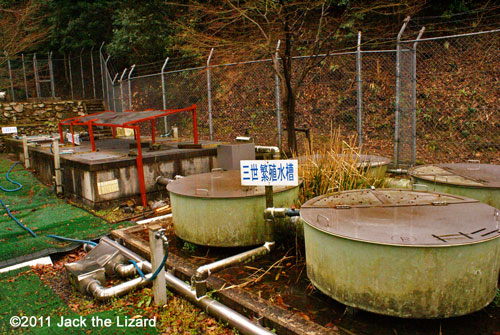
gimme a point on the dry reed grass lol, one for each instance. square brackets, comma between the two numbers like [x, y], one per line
[335, 166]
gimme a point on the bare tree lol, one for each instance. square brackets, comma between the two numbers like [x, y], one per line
[254, 27]
[21, 27]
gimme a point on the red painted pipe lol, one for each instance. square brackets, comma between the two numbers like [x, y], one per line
[91, 135]
[195, 125]
[140, 167]
[153, 130]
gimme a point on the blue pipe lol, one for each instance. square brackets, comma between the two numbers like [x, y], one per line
[155, 274]
[16, 220]
[62, 238]
[19, 186]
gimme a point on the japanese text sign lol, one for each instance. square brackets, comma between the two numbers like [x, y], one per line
[269, 173]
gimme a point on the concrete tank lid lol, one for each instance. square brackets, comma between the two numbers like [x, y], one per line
[403, 217]
[462, 174]
[362, 161]
[218, 184]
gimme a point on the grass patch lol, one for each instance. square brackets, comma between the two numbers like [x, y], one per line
[37, 207]
[22, 293]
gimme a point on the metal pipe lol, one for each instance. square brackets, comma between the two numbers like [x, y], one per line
[88, 247]
[113, 91]
[199, 281]
[273, 212]
[414, 100]
[164, 93]
[163, 180]
[130, 87]
[108, 77]
[209, 92]
[92, 69]
[24, 75]
[359, 91]
[397, 171]
[70, 76]
[121, 89]
[102, 293]
[126, 270]
[398, 87]
[215, 308]
[10, 80]
[51, 74]
[277, 94]
[101, 60]
[81, 73]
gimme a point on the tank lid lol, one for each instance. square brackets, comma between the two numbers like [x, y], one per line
[462, 174]
[403, 217]
[218, 184]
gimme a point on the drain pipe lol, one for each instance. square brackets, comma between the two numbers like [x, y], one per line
[267, 149]
[102, 293]
[273, 212]
[164, 180]
[126, 270]
[215, 308]
[199, 280]
[397, 171]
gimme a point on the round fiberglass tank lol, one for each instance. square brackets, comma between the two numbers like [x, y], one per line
[376, 166]
[213, 209]
[477, 181]
[403, 253]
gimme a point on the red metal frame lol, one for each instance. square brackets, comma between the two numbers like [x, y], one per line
[130, 125]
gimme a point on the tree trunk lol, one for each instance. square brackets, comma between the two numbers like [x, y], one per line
[289, 106]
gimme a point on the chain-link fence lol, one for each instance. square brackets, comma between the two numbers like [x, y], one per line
[44, 76]
[427, 100]
[458, 98]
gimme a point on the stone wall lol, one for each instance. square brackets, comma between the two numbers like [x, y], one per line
[33, 118]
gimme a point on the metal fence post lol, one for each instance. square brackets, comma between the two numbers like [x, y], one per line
[130, 87]
[277, 94]
[209, 92]
[10, 79]
[359, 92]
[414, 99]
[35, 70]
[121, 89]
[398, 84]
[92, 68]
[24, 75]
[70, 76]
[113, 91]
[164, 93]
[81, 73]
[51, 74]
[101, 61]
[108, 78]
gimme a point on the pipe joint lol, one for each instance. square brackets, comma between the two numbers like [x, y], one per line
[163, 180]
[273, 212]
[126, 270]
